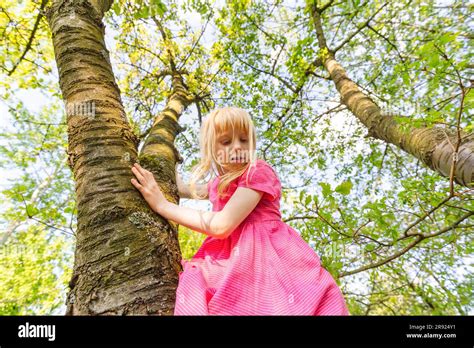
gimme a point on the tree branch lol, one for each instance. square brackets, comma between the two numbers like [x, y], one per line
[418, 239]
[30, 39]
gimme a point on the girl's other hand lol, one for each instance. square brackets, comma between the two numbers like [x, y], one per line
[148, 187]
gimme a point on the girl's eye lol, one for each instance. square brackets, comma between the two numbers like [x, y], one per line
[227, 142]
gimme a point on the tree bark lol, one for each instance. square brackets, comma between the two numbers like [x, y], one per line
[127, 258]
[434, 146]
[159, 154]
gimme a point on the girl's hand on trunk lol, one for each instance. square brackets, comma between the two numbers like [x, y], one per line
[148, 187]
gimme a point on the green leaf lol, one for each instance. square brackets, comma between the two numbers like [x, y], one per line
[116, 8]
[445, 38]
[369, 247]
[143, 12]
[344, 188]
[158, 8]
[406, 78]
[326, 188]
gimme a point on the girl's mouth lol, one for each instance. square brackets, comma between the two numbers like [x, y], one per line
[240, 159]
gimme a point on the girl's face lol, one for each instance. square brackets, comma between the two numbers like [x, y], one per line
[232, 148]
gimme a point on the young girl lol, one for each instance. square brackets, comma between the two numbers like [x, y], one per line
[251, 263]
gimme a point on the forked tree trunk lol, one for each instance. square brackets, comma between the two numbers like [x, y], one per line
[434, 146]
[127, 257]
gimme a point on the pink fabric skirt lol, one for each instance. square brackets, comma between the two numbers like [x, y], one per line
[262, 268]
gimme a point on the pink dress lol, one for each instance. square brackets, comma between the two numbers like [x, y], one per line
[263, 268]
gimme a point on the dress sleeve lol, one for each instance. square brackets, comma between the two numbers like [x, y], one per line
[263, 178]
[209, 189]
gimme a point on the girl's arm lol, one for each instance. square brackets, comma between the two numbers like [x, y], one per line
[218, 224]
[185, 191]
[215, 224]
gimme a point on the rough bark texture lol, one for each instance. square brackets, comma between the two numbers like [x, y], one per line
[159, 154]
[434, 146]
[127, 257]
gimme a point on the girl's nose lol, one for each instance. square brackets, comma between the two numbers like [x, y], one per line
[237, 144]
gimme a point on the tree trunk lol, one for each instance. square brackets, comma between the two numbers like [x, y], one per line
[127, 258]
[435, 147]
[159, 154]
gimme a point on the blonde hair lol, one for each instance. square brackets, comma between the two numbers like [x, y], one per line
[219, 121]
